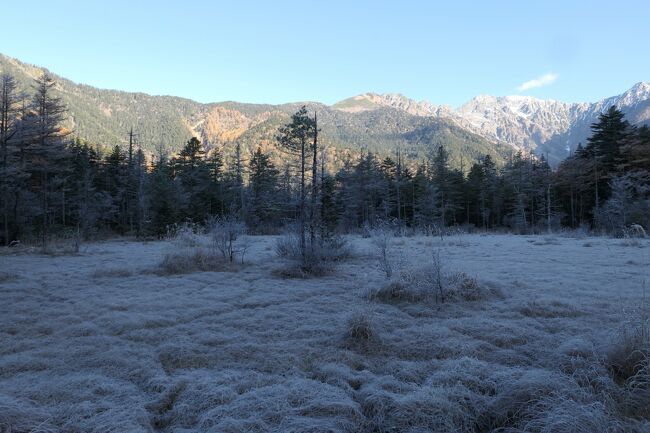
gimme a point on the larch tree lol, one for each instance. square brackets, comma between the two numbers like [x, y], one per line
[47, 150]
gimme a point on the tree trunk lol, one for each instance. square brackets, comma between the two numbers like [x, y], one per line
[314, 187]
[302, 198]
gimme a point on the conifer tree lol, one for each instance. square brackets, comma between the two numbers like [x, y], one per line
[47, 151]
[263, 186]
[193, 172]
[10, 172]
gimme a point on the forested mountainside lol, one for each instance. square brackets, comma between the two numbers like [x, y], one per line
[104, 117]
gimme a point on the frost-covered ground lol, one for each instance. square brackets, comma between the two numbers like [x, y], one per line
[96, 342]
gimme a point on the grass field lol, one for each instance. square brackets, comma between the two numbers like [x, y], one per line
[536, 334]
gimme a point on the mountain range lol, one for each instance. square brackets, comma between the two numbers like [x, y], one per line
[371, 122]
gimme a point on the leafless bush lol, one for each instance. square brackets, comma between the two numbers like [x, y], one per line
[288, 246]
[332, 249]
[381, 239]
[626, 211]
[316, 261]
[432, 283]
[428, 281]
[184, 235]
[225, 233]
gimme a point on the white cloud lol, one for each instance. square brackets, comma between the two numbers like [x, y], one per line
[542, 81]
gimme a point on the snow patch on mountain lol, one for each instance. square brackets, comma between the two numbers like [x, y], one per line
[550, 127]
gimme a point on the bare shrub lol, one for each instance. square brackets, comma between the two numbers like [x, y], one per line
[627, 209]
[316, 261]
[427, 282]
[630, 240]
[288, 246]
[432, 284]
[333, 249]
[381, 239]
[184, 235]
[224, 233]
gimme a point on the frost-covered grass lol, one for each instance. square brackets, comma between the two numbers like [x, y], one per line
[541, 335]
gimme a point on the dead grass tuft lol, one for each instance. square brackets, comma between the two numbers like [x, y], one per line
[361, 333]
[5, 277]
[197, 260]
[549, 310]
[298, 271]
[112, 273]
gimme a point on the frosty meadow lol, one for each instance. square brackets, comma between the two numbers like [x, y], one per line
[535, 334]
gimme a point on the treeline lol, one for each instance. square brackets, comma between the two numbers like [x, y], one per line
[51, 183]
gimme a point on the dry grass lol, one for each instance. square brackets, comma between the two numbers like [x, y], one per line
[630, 356]
[196, 260]
[300, 271]
[547, 240]
[330, 250]
[361, 332]
[361, 327]
[422, 286]
[549, 309]
[113, 273]
[5, 277]
[319, 259]
[242, 352]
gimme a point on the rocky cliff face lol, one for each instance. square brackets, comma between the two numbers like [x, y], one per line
[546, 127]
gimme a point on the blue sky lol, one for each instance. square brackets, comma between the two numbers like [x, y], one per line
[283, 51]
